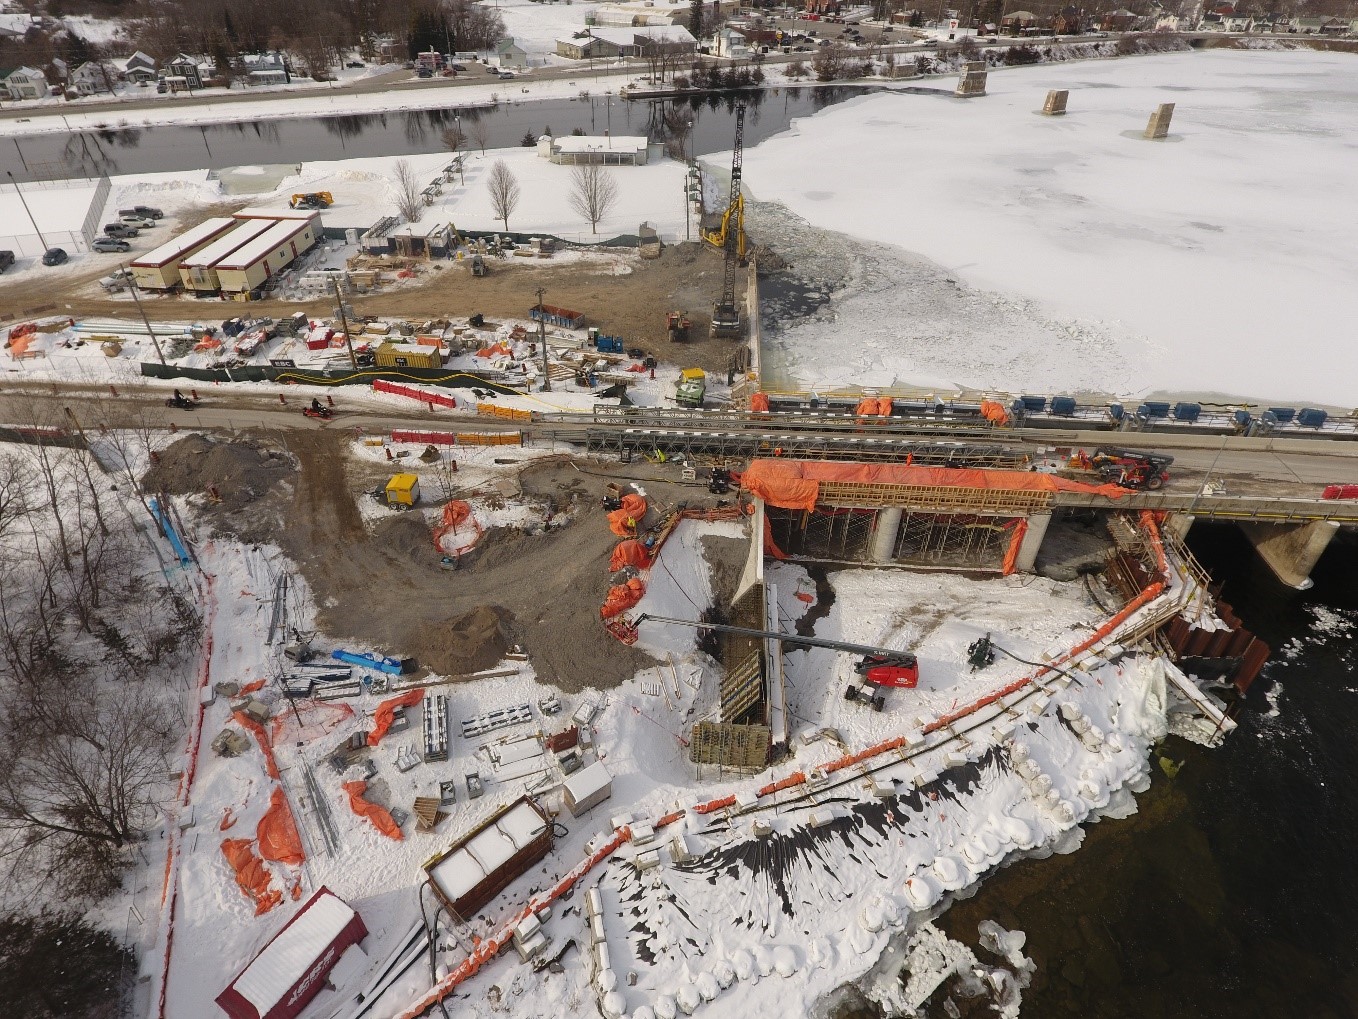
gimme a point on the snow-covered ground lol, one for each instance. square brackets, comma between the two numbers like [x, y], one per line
[1069, 253]
[536, 25]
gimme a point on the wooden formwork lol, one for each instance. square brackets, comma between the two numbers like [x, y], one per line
[730, 746]
[943, 499]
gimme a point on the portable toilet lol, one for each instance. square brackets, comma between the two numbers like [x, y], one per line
[403, 490]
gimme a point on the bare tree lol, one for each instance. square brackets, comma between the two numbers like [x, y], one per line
[409, 200]
[832, 63]
[504, 191]
[453, 138]
[594, 192]
[479, 131]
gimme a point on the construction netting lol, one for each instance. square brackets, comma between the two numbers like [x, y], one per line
[277, 832]
[625, 520]
[380, 818]
[457, 520]
[622, 597]
[386, 713]
[795, 484]
[629, 553]
[252, 876]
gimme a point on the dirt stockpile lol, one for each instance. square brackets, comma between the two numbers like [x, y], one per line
[241, 472]
[408, 535]
[471, 642]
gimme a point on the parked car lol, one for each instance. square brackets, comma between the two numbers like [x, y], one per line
[141, 212]
[119, 279]
[140, 222]
[54, 256]
[110, 245]
[424, 72]
[506, 75]
[6, 260]
[122, 230]
[355, 63]
[458, 67]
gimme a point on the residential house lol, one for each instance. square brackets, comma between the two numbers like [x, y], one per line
[95, 76]
[1120, 20]
[1019, 23]
[1238, 22]
[1309, 25]
[26, 83]
[586, 47]
[652, 40]
[265, 69]
[1068, 22]
[138, 68]
[732, 44]
[1170, 23]
[188, 71]
[509, 55]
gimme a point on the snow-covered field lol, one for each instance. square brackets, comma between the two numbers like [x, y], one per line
[1068, 253]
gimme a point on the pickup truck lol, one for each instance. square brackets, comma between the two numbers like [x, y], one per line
[141, 212]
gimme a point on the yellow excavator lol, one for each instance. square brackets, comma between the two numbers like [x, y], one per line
[732, 228]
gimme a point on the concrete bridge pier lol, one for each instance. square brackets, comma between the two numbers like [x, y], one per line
[887, 527]
[1032, 541]
[1178, 524]
[1291, 550]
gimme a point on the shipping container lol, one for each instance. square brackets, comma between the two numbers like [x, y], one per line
[482, 863]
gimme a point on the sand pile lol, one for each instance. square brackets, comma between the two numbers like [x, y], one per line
[408, 536]
[241, 471]
[471, 642]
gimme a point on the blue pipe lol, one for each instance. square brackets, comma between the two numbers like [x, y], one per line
[168, 530]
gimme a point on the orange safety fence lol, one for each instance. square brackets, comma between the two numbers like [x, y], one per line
[429, 438]
[994, 412]
[262, 738]
[277, 832]
[795, 779]
[490, 438]
[622, 597]
[624, 520]
[455, 514]
[18, 345]
[629, 553]
[337, 714]
[1011, 554]
[795, 484]
[381, 820]
[386, 713]
[509, 413]
[396, 389]
[252, 876]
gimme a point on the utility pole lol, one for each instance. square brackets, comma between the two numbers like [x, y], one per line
[146, 321]
[348, 340]
[24, 200]
[542, 340]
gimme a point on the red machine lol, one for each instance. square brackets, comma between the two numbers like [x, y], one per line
[1129, 468]
[318, 411]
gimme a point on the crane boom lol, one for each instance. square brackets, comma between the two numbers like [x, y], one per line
[786, 638]
[726, 317]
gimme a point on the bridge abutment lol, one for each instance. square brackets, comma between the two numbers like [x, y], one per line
[884, 534]
[1291, 551]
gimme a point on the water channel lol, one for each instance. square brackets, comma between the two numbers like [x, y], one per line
[131, 150]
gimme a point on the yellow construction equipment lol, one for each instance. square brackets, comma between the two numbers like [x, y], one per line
[312, 200]
[403, 491]
[730, 236]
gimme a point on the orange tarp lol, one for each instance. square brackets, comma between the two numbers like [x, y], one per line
[251, 874]
[250, 688]
[795, 484]
[262, 737]
[759, 402]
[622, 597]
[379, 817]
[491, 351]
[770, 546]
[277, 832]
[994, 412]
[629, 553]
[455, 514]
[874, 405]
[385, 713]
[1015, 543]
[624, 521]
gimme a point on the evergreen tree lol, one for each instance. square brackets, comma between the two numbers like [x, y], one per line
[695, 18]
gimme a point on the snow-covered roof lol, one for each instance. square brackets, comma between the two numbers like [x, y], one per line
[286, 959]
[223, 246]
[588, 782]
[598, 143]
[489, 850]
[186, 241]
[27, 72]
[279, 232]
[672, 34]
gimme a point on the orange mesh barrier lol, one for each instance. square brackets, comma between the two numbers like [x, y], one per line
[1015, 543]
[262, 738]
[795, 484]
[386, 711]
[759, 402]
[455, 514]
[994, 412]
[379, 817]
[863, 755]
[277, 832]
[796, 778]
[622, 597]
[713, 805]
[629, 553]
[252, 876]
[624, 521]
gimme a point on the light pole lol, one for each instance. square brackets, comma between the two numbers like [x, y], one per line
[24, 201]
[608, 103]
[542, 339]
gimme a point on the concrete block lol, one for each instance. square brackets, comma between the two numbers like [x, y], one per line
[1158, 125]
[1055, 105]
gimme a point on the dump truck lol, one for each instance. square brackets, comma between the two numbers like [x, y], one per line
[403, 491]
[677, 325]
[691, 388]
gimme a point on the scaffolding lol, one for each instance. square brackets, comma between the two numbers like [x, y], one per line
[953, 541]
[730, 746]
[940, 498]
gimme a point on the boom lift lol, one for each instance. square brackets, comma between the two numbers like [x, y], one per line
[879, 667]
[726, 317]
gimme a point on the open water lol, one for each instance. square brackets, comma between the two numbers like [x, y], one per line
[1234, 891]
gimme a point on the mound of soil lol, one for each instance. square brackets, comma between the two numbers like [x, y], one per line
[408, 536]
[242, 471]
[471, 642]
